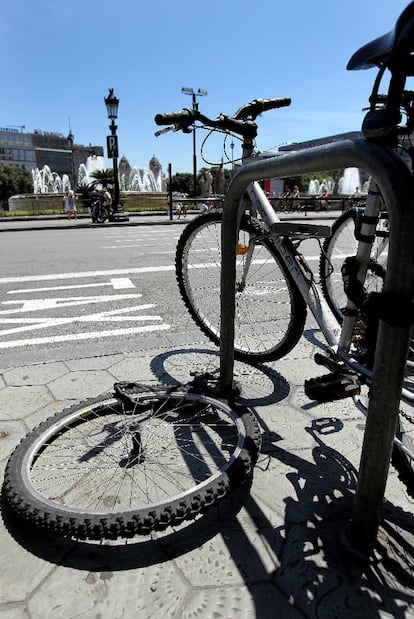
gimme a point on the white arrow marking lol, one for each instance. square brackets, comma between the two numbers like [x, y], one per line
[32, 305]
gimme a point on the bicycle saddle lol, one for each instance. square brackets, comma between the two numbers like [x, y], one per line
[378, 51]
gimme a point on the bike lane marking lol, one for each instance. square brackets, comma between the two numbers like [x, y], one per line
[84, 336]
[16, 307]
[119, 283]
[85, 274]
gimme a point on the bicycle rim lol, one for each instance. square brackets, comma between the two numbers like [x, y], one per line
[270, 312]
[105, 468]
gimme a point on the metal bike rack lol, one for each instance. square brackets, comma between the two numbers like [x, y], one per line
[395, 182]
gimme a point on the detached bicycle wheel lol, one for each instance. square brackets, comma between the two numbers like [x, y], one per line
[270, 311]
[109, 467]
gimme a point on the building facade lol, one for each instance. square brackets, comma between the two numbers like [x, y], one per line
[39, 148]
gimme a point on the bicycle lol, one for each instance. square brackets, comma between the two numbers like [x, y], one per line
[99, 211]
[145, 458]
[242, 323]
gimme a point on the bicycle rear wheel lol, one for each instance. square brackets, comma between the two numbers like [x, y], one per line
[108, 467]
[270, 311]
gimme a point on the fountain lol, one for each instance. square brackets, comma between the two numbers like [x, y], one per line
[141, 179]
[137, 179]
[349, 182]
[316, 187]
[346, 186]
[46, 181]
[142, 187]
[93, 163]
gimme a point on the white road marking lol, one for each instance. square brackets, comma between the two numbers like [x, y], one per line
[106, 316]
[14, 310]
[84, 336]
[118, 283]
[140, 245]
[108, 273]
[30, 305]
[85, 274]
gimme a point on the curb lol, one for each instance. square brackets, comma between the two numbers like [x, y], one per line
[57, 222]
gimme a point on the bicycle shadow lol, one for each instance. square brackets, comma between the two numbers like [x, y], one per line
[261, 384]
[171, 368]
[305, 564]
[315, 337]
[122, 554]
[322, 578]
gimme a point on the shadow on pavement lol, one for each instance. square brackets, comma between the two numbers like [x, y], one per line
[282, 534]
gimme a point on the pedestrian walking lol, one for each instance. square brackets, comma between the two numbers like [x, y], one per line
[69, 205]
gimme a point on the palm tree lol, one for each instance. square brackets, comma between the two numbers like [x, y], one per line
[102, 177]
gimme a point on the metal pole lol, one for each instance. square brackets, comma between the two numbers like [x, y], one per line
[194, 95]
[195, 107]
[113, 129]
[111, 102]
[71, 138]
[170, 202]
[194, 164]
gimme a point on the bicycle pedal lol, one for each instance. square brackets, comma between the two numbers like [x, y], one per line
[129, 392]
[331, 387]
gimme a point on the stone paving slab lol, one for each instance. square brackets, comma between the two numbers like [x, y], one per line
[271, 551]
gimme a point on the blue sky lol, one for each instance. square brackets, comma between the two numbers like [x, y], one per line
[59, 59]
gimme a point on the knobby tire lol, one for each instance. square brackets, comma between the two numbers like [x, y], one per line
[109, 468]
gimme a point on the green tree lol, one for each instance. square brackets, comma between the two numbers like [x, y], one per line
[102, 177]
[85, 192]
[182, 182]
[13, 180]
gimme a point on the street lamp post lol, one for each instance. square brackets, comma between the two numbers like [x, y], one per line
[71, 139]
[200, 93]
[112, 103]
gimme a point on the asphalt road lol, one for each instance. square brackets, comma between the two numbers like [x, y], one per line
[91, 291]
[69, 294]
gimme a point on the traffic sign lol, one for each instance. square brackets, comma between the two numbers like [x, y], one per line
[112, 146]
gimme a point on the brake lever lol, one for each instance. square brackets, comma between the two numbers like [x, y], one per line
[165, 130]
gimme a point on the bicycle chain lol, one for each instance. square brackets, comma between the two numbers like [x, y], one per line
[406, 416]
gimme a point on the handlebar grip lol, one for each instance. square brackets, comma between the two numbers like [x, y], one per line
[273, 104]
[257, 106]
[172, 118]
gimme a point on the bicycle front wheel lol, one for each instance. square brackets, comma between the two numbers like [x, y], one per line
[270, 311]
[340, 245]
[109, 468]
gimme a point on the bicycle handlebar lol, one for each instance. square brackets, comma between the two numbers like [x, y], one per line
[241, 123]
[257, 106]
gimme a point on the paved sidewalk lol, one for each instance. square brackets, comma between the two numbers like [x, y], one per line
[273, 553]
